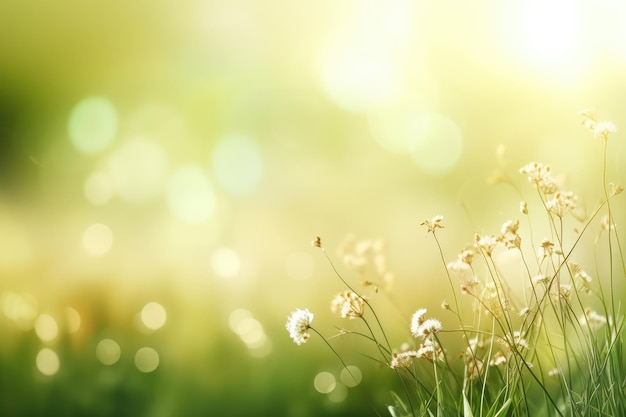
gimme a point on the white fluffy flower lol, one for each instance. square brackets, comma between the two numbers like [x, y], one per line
[298, 324]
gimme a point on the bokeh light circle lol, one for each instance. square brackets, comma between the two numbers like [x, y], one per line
[190, 195]
[324, 382]
[339, 394]
[97, 239]
[147, 360]
[237, 164]
[47, 362]
[46, 328]
[92, 124]
[72, 318]
[351, 376]
[225, 262]
[153, 315]
[108, 351]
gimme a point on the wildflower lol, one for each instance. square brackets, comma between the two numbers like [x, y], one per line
[606, 225]
[510, 226]
[546, 249]
[523, 312]
[417, 320]
[428, 328]
[523, 207]
[509, 234]
[348, 304]
[486, 243]
[463, 261]
[562, 203]
[541, 176]
[430, 350]
[298, 325]
[498, 359]
[599, 129]
[594, 319]
[581, 279]
[515, 342]
[553, 372]
[433, 224]
[445, 305]
[403, 360]
[589, 119]
[616, 189]
[494, 302]
[602, 130]
[540, 279]
[474, 368]
[468, 286]
[564, 293]
[317, 242]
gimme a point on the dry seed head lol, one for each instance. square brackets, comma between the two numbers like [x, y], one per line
[430, 350]
[523, 207]
[348, 304]
[474, 368]
[602, 130]
[498, 359]
[433, 224]
[616, 189]
[485, 243]
[403, 360]
[417, 320]
[594, 319]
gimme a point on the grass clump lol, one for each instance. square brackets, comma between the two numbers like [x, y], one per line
[552, 346]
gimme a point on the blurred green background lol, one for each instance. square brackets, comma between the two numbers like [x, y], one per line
[164, 166]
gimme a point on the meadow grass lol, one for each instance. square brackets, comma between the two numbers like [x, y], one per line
[550, 346]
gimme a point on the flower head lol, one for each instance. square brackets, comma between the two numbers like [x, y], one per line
[541, 175]
[417, 320]
[348, 304]
[298, 324]
[433, 224]
[403, 360]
